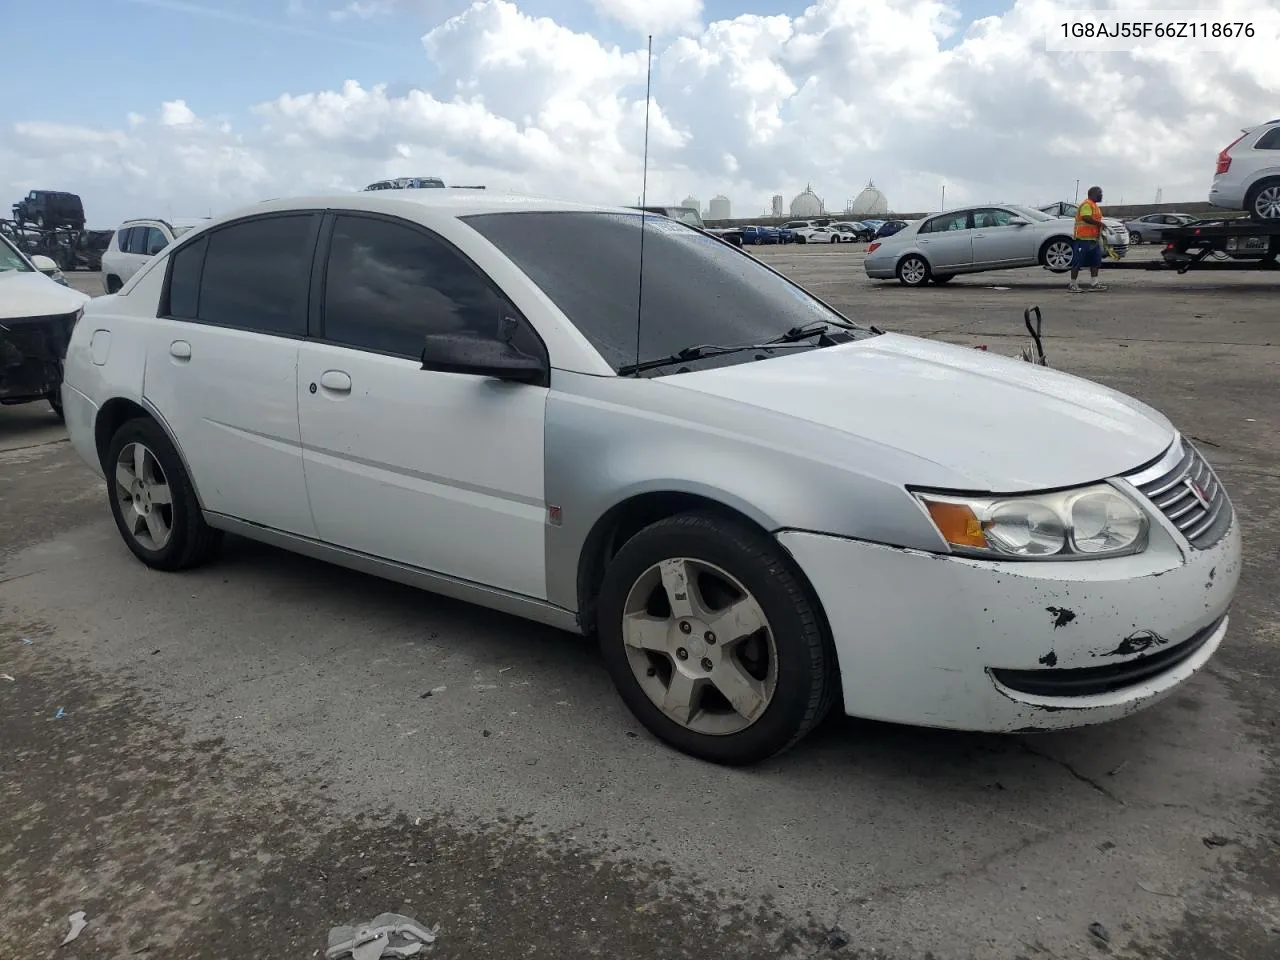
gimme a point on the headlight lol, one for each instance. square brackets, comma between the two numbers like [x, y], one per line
[1097, 521]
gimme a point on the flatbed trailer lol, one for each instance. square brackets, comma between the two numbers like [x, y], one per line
[1223, 244]
[69, 248]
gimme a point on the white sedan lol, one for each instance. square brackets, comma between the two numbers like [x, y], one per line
[760, 509]
[822, 235]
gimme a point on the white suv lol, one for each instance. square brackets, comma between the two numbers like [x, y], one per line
[135, 243]
[1248, 173]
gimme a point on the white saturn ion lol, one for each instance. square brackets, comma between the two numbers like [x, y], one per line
[759, 508]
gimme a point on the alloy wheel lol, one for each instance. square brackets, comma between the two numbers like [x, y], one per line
[700, 646]
[146, 502]
[1058, 255]
[1266, 205]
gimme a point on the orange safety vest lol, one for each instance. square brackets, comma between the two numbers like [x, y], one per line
[1087, 231]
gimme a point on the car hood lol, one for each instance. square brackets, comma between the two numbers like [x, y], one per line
[35, 295]
[994, 423]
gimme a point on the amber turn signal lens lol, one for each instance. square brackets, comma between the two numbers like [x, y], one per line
[957, 523]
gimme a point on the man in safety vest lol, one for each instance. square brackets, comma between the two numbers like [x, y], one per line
[1088, 242]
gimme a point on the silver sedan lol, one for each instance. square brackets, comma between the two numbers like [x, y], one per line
[971, 240]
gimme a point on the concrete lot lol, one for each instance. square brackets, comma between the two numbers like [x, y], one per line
[249, 754]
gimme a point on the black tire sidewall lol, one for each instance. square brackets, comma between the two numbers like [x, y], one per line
[804, 665]
[186, 511]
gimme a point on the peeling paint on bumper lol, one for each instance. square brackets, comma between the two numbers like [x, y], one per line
[916, 634]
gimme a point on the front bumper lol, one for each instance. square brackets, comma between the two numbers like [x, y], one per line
[943, 641]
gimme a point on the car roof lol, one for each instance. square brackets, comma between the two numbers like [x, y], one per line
[171, 221]
[458, 202]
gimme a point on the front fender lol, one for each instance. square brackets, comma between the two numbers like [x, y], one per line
[610, 439]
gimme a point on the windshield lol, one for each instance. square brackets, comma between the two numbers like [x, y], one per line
[11, 260]
[697, 288]
[689, 216]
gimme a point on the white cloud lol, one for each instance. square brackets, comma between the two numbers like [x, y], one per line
[896, 90]
[653, 16]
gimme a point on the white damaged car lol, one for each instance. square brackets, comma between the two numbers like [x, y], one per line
[760, 509]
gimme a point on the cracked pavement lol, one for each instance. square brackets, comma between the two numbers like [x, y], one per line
[248, 755]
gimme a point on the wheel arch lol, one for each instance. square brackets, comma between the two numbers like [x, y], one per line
[119, 410]
[1044, 247]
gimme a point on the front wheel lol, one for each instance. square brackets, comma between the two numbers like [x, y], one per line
[713, 640]
[1058, 255]
[153, 501]
[913, 270]
[1135, 238]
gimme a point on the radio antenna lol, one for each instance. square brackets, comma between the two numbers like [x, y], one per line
[644, 196]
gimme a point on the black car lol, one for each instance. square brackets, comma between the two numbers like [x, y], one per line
[50, 208]
[889, 228]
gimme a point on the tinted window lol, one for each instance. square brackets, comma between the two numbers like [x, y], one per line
[256, 275]
[122, 239]
[155, 241]
[184, 280]
[949, 221]
[697, 288]
[390, 284]
[1269, 140]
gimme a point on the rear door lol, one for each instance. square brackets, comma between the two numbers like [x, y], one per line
[222, 368]
[947, 241]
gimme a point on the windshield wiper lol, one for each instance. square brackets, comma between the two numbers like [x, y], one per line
[704, 350]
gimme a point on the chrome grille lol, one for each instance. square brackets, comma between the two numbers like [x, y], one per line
[1172, 485]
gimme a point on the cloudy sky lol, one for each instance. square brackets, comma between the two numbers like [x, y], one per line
[186, 107]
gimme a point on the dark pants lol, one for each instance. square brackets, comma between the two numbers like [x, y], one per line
[1086, 253]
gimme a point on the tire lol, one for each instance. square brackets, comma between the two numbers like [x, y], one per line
[1052, 254]
[913, 270]
[55, 401]
[113, 284]
[189, 541]
[788, 663]
[1263, 202]
[943, 277]
[834, 240]
[1135, 238]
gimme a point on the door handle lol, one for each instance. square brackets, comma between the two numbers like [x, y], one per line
[924, 240]
[336, 381]
[979, 235]
[180, 350]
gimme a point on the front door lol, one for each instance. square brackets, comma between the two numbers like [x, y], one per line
[439, 471]
[222, 366]
[998, 243]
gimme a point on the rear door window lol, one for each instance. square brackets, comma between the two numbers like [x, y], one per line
[154, 241]
[257, 273]
[945, 223]
[1269, 140]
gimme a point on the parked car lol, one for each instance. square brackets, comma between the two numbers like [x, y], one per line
[135, 243]
[860, 231]
[1150, 228]
[410, 183]
[731, 235]
[50, 208]
[889, 228]
[970, 240]
[757, 236]
[1115, 232]
[1248, 173]
[36, 319]
[1001, 547]
[816, 234]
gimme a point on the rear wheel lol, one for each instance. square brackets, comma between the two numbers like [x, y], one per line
[1264, 202]
[913, 270]
[113, 284]
[1058, 255]
[55, 401]
[153, 501]
[1134, 237]
[714, 641]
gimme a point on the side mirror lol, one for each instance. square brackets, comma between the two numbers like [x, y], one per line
[44, 264]
[480, 356]
[1019, 222]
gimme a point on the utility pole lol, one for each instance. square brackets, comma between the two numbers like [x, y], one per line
[1077, 198]
[944, 198]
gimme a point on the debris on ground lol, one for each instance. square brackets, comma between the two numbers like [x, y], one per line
[60, 714]
[837, 939]
[387, 935]
[26, 642]
[1216, 840]
[5, 676]
[1099, 932]
[78, 923]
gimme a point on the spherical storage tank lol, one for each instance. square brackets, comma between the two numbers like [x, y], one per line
[806, 204]
[719, 208]
[691, 202]
[869, 203]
